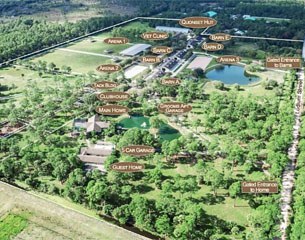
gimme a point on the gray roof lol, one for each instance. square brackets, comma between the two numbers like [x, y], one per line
[94, 124]
[173, 29]
[135, 49]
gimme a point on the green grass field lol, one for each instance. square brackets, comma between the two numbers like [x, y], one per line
[11, 225]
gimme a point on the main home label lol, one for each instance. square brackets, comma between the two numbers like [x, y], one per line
[161, 50]
[112, 110]
[105, 85]
[283, 62]
[213, 46]
[127, 167]
[174, 108]
[154, 35]
[150, 59]
[220, 37]
[138, 150]
[116, 40]
[113, 96]
[259, 187]
[197, 22]
[109, 68]
[228, 59]
[170, 81]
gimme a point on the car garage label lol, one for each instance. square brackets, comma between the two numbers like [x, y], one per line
[116, 40]
[212, 46]
[174, 108]
[197, 22]
[113, 96]
[112, 110]
[109, 68]
[138, 150]
[127, 167]
[154, 36]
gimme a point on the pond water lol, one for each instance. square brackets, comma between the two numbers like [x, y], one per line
[231, 74]
[166, 132]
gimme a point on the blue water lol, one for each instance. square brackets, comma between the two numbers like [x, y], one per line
[231, 74]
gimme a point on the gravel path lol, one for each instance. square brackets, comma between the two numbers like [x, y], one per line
[289, 173]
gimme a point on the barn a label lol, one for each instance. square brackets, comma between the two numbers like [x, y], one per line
[170, 81]
[109, 68]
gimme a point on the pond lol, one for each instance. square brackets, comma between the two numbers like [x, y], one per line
[166, 132]
[231, 74]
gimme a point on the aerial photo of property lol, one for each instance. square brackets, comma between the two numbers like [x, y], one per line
[152, 119]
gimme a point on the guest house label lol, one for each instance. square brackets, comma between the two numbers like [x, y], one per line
[227, 59]
[112, 110]
[127, 167]
[283, 62]
[113, 96]
[109, 68]
[105, 85]
[154, 35]
[212, 46]
[197, 22]
[259, 187]
[174, 108]
[161, 50]
[150, 59]
[116, 40]
[170, 81]
[220, 37]
[138, 150]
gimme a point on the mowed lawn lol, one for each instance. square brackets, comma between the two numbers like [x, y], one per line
[80, 63]
[11, 225]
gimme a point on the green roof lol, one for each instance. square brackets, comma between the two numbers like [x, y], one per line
[211, 13]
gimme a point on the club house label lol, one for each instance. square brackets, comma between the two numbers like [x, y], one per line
[138, 150]
[154, 35]
[170, 81]
[150, 59]
[113, 96]
[259, 187]
[174, 108]
[116, 40]
[112, 110]
[220, 37]
[283, 62]
[228, 59]
[162, 50]
[127, 167]
[197, 22]
[109, 68]
[105, 85]
[213, 46]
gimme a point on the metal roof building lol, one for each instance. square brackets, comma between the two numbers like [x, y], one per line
[173, 29]
[135, 50]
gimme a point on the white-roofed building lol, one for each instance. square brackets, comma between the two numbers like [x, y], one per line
[135, 49]
[173, 29]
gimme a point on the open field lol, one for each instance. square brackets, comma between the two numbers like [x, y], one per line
[51, 221]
